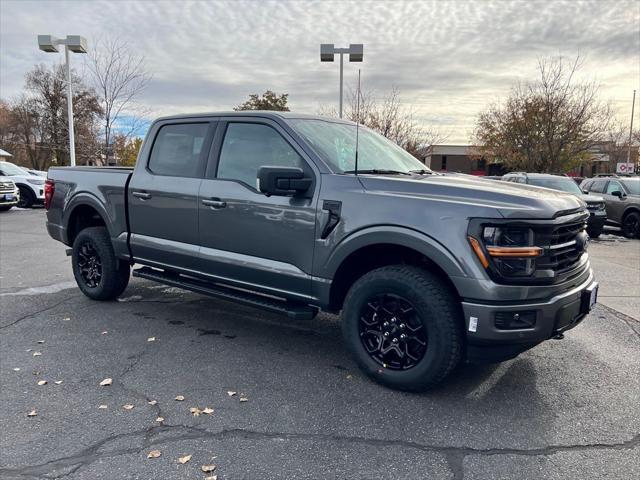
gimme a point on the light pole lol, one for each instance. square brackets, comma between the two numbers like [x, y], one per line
[328, 51]
[77, 44]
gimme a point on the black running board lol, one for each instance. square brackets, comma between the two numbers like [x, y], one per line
[297, 311]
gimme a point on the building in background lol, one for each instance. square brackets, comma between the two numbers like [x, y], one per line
[460, 159]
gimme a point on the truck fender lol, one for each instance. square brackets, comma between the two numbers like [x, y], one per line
[393, 235]
[91, 200]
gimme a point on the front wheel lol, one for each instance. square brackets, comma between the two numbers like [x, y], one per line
[403, 326]
[98, 273]
[5, 208]
[631, 225]
[26, 198]
[594, 232]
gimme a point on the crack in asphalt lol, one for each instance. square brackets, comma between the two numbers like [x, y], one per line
[631, 322]
[33, 314]
[453, 455]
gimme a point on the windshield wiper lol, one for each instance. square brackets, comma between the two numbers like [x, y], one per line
[422, 171]
[378, 171]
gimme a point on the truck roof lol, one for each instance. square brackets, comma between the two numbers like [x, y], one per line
[256, 113]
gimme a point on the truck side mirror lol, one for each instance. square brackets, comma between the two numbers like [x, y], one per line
[617, 193]
[282, 181]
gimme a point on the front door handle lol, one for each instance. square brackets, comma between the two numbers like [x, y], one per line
[214, 203]
[142, 195]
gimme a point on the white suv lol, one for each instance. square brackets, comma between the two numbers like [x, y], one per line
[9, 194]
[31, 186]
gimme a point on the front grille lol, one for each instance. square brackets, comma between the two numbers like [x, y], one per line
[563, 245]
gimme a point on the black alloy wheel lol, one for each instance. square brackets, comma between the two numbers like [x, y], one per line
[90, 265]
[631, 225]
[392, 333]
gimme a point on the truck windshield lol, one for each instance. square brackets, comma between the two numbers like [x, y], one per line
[335, 143]
[563, 184]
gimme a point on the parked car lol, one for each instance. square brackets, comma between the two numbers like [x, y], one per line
[31, 186]
[622, 200]
[9, 194]
[595, 204]
[268, 209]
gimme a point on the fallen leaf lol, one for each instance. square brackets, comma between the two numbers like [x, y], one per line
[180, 398]
[42, 382]
[102, 407]
[244, 399]
[36, 354]
[349, 377]
[195, 411]
[104, 333]
[208, 468]
[58, 382]
[32, 413]
[212, 477]
[160, 419]
[128, 406]
[16, 369]
[154, 454]
[66, 319]
[208, 411]
[106, 381]
[29, 349]
[40, 341]
[152, 402]
[36, 372]
[151, 339]
[231, 393]
[184, 459]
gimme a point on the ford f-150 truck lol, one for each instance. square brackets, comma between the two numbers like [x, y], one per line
[292, 214]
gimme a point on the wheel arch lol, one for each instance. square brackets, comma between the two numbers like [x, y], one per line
[382, 246]
[84, 211]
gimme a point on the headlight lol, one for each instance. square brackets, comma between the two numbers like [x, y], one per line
[511, 250]
[36, 181]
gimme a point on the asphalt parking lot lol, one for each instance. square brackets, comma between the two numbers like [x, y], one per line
[566, 409]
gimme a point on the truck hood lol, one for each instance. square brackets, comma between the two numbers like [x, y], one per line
[588, 198]
[511, 200]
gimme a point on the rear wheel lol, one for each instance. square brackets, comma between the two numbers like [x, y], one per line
[98, 273]
[403, 327]
[26, 198]
[631, 225]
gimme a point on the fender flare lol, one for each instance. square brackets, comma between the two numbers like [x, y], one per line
[394, 235]
[86, 199]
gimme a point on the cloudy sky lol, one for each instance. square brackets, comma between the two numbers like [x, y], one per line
[448, 59]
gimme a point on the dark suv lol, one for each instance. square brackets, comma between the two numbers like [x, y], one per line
[595, 204]
[622, 200]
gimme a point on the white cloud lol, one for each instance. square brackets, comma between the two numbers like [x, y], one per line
[449, 59]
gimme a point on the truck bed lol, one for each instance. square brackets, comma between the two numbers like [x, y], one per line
[102, 188]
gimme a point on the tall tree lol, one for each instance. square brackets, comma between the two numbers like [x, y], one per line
[548, 125]
[119, 78]
[267, 101]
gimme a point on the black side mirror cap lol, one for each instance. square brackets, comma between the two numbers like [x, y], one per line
[617, 193]
[283, 181]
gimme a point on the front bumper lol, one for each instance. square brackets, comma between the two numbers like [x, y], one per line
[487, 342]
[9, 197]
[597, 220]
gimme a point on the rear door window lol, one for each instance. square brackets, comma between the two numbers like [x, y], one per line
[178, 150]
[598, 186]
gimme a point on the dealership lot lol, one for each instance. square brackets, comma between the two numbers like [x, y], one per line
[566, 409]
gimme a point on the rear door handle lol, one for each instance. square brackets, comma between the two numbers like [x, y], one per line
[142, 195]
[214, 203]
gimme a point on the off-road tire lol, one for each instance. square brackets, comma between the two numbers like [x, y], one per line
[114, 276]
[27, 199]
[437, 309]
[594, 232]
[631, 225]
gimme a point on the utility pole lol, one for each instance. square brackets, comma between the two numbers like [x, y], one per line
[633, 104]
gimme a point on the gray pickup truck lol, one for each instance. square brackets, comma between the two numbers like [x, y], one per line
[291, 214]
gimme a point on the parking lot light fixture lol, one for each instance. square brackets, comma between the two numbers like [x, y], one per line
[328, 52]
[76, 44]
